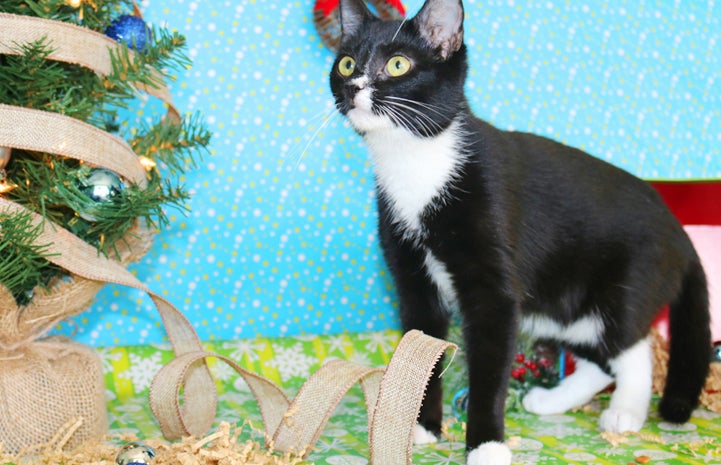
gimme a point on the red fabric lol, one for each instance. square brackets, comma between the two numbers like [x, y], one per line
[693, 202]
[327, 6]
[398, 6]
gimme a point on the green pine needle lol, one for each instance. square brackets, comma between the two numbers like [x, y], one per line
[23, 263]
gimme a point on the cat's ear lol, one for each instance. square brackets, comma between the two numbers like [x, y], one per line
[352, 15]
[440, 23]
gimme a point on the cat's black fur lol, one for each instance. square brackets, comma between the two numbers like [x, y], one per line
[525, 226]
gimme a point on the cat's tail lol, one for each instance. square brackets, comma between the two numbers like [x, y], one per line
[690, 353]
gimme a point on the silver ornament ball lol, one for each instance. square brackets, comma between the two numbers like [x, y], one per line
[100, 186]
[135, 453]
[4, 156]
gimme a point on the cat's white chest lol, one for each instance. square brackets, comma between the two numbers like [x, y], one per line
[411, 171]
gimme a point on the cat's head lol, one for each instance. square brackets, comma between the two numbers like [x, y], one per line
[400, 74]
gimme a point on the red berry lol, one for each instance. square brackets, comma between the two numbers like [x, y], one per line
[517, 374]
[531, 365]
[520, 357]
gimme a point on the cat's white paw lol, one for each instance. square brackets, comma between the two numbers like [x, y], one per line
[620, 421]
[422, 435]
[542, 401]
[490, 453]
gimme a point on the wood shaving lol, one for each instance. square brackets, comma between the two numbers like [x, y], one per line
[693, 448]
[616, 439]
[222, 447]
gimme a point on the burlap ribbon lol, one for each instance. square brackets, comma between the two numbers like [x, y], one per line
[393, 399]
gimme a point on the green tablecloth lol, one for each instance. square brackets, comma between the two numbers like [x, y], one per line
[569, 438]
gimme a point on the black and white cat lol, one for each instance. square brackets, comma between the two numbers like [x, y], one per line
[517, 232]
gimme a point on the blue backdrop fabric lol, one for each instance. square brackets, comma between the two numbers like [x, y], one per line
[281, 237]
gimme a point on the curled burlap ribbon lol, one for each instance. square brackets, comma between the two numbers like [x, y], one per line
[393, 399]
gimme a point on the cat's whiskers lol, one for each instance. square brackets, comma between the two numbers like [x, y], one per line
[434, 108]
[400, 26]
[327, 117]
[403, 120]
[428, 126]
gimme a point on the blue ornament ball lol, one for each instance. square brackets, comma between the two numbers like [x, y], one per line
[459, 404]
[717, 352]
[130, 30]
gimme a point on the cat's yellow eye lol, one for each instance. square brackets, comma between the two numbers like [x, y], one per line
[398, 66]
[346, 66]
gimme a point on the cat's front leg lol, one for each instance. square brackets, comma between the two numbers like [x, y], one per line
[490, 334]
[421, 308]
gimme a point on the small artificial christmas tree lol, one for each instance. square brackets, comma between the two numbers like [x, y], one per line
[71, 169]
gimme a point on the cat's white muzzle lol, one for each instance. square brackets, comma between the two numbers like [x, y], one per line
[361, 116]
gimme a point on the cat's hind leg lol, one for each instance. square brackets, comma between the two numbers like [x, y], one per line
[573, 391]
[633, 370]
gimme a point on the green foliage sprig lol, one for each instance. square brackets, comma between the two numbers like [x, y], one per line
[51, 185]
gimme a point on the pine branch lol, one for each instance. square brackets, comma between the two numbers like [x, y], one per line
[173, 144]
[32, 81]
[53, 186]
[23, 263]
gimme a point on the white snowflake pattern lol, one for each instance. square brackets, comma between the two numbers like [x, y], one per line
[245, 347]
[526, 444]
[655, 454]
[222, 371]
[360, 358]
[110, 395]
[560, 431]
[681, 438]
[334, 444]
[142, 370]
[378, 341]
[579, 456]
[236, 397]
[107, 357]
[435, 457]
[610, 451]
[347, 460]
[338, 343]
[705, 414]
[526, 458]
[291, 362]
